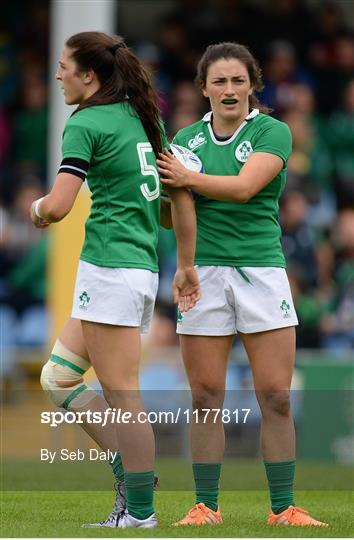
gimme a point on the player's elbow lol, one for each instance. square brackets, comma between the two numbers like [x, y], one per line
[241, 196]
[243, 189]
[55, 212]
[54, 218]
[242, 200]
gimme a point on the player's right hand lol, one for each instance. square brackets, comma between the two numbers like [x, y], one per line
[186, 288]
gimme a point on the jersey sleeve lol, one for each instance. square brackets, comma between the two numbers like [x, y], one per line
[274, 139]
[76, 166]
[79, 139]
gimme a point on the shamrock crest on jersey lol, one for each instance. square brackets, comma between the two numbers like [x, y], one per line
[84, 300]
[179, 316]
[243, 151]
[285, 307]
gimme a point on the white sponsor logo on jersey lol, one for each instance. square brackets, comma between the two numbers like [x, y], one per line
[198, 140]
[243, 151]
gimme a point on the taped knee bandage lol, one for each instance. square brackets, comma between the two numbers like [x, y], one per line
[62, 378]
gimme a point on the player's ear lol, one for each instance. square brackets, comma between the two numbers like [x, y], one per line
[88, 76]
[202, 86]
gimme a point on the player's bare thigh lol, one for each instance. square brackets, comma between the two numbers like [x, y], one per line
[115, 354]
[205, 360]
[272, 357]
[72, 338]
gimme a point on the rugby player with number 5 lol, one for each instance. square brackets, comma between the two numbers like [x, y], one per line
[113, 138]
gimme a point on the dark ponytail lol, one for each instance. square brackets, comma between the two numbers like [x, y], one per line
[121, 75]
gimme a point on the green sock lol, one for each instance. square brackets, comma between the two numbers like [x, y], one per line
[281, 484]
[117, 467]
[140, 493]
[206, 478]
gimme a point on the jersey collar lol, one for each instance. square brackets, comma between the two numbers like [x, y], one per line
[207, 118]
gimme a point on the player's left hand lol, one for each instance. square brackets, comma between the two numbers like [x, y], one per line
[172, 172]
[186, 288]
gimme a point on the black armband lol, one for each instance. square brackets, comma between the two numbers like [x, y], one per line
[76, 166]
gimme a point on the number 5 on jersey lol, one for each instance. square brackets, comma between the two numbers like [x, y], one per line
[148, 170]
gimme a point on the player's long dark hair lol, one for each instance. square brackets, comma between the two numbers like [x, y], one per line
[121, 75]
[229, 50]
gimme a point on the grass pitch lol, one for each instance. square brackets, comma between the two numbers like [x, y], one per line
[60, 514]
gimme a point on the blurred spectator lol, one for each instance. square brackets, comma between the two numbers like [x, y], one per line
[23, 315]
[282, 21]
[5, 135]
[340, 136]
[8, 69]
[331, 55]
[163, 330]
[223, 20]
[281, 74]
[301, 120]
[18, 240]
[33, 27]
[185, 96]
[186, 107]
[31, 122]
[178, 60]
[23, 253]
[179, 119]
[298, 238]
[328, 26]
[310, 166]
[312, 289]
[18, 234]
[150, 55]
[313, 303]
[28, 284]
[338, 326]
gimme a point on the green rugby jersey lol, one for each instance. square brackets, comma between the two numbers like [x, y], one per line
[122, 228]
[235, 234]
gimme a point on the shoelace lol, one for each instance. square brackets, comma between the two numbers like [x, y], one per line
[120, 491]
[115, 514]
[295, 509]
[111, 518]
[195, 509]
[118, 517]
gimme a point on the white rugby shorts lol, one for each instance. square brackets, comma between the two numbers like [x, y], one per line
[247, 299]
[119, 296]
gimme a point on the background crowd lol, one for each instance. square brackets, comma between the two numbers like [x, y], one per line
[307, 57]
